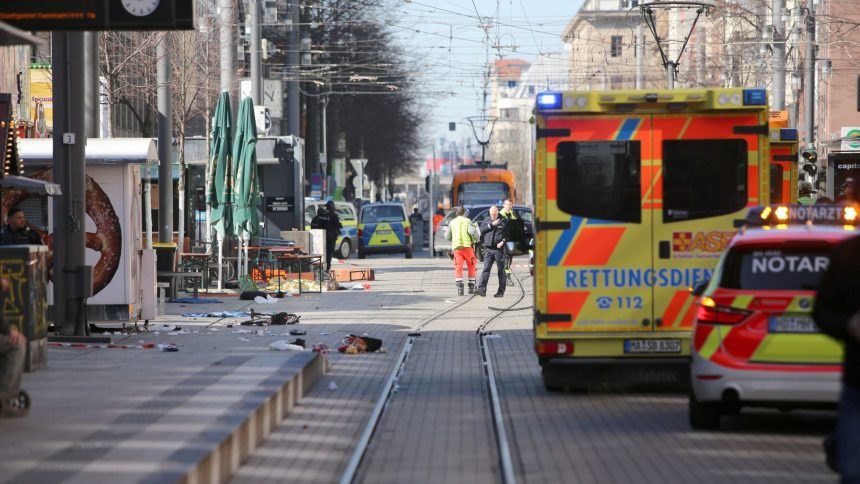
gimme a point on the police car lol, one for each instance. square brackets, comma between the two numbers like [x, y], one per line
[384, 228]
[754, 341]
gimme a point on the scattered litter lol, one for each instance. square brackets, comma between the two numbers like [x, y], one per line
[359, 344]
[325, 334]
[285, 318]
[180, 331]
[283, 345]
[194, 300]
[298, 332]
[332, 386]
[265, 300]
[320, 348]
[218, 314]
[260, 332]
[449, 301]
[164, 327]
[492, 336]
[361, 286]
[300, 342]
[244, 340]
[168, 347]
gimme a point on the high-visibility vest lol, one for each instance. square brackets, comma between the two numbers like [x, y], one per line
[459, 228]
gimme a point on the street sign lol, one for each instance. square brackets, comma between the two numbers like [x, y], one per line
[280, 204]
[850, 144]
[99, 14]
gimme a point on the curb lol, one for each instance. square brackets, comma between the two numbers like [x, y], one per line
[226, 455]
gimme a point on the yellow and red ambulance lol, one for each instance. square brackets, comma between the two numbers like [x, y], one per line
[783, 159]
[755, 342]
[636, 193]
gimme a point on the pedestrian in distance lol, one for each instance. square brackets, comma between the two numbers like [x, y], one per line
[837, 314]
[327, 219]
[847, 192]
[463, 234]
[493, 243]
[13, 349]
[514, 232]
[17, 231]
[804, 193]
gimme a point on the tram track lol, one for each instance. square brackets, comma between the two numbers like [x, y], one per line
[503, 448]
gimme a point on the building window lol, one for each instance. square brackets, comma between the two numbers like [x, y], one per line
[615, 48]
[629, 4]
[512, 84]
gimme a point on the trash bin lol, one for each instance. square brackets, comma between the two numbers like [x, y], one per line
[25, 304]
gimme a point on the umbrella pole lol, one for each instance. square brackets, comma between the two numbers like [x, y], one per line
[220, 264]
[239, 262]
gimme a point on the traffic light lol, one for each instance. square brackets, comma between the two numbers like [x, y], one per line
[810, 170]
[810, 156]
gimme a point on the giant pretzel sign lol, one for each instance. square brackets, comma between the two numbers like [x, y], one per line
[107, 240]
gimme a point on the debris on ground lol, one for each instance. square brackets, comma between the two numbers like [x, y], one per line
[320, 348]
[194, 300]
[265, 300]
[284, 345]
[168, 347]
[353, 344]
[332, 386]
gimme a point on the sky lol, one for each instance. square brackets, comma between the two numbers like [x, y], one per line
[450, 50]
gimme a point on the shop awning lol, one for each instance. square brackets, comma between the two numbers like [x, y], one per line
[38, 187]
[40, 151]
[11, 36]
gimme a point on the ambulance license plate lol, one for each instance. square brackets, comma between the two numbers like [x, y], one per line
[652, 346]
[792, 324]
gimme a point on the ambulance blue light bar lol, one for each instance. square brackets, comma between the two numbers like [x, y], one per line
[755, 97]
[549, 100]
[788, 134]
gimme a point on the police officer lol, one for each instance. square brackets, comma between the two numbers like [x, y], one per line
[327, 219]
[462, 235]
[513, 233]
[17, 232]
[837, 313]
[493, 242]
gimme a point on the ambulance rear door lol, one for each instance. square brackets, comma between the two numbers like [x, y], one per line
[596, 237]
[707, 172]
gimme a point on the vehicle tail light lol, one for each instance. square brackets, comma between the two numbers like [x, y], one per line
[710, 313]
[359, 233]
[555, 348]
[407, 231]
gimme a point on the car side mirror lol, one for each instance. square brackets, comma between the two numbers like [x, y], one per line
[699, 288]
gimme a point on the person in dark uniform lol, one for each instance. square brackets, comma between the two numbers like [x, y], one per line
[493, 241]
[837, 313]
[17, 232]
[328, 220]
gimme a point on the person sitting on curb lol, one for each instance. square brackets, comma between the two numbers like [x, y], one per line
[493, 241]
[13, 349]
[463, 234]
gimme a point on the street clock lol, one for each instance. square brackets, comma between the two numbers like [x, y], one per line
[140, 8]
[99, 14]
